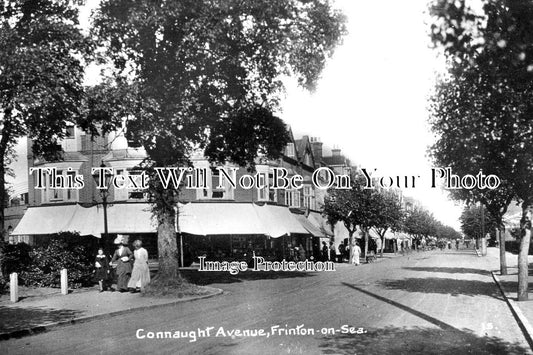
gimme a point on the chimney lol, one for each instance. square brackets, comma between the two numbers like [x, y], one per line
[336, 152]
[316, 146]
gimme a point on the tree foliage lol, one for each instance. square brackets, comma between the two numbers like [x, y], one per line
[471, 221]
[208, 75]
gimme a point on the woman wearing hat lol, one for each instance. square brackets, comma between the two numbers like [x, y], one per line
[140, 276]
[122, 258]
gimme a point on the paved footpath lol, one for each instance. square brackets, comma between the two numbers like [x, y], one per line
[425, 303]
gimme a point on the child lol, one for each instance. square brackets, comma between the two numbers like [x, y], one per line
[101, 265]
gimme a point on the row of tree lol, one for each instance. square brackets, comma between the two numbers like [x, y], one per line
[482, 107]
[364, 208]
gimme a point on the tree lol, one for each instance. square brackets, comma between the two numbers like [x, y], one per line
[207, 75]
[41, 74]
[471, 222]
[482, 109]
[354, 207]
[420, 223]
[390, 215]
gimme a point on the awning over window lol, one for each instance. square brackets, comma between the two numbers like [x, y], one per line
[279, 221]
[219, 218]
[121, 218]
[54, 219]
[320, 222]
[216, 218]
[314, 231]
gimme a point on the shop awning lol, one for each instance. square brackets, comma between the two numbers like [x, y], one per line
[121, 218]
[278, 221]
[320, 222]
[314, 231]
[54, 219]
[219, 218]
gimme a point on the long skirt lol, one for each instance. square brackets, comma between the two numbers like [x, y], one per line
[140, 276]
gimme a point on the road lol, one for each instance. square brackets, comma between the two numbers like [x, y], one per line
[425, 303]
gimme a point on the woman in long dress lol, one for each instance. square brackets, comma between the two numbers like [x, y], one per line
[122, 258]
[140, 276]
[356, 254]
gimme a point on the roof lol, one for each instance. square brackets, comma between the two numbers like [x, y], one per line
[336, 160]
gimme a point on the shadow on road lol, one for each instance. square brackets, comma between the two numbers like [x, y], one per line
[450, 270]
[417, 340]
[206, 278]
[444, 285]
[15, 318]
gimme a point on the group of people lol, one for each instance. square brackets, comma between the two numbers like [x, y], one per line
[131, 269]
[329, 253]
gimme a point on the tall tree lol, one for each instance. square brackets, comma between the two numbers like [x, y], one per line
[482, 109]
[41, 74]
[207, 75]
[390, 214]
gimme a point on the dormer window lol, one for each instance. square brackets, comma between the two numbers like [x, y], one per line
[290, 150]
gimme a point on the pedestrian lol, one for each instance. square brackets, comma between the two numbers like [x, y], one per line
[332, 252]
[101, 269]
[356, 257]
[140, 275]
[449, 244]
[457, 244]
[122, 258]
[324, 251]
[342, 251]
[302, 253]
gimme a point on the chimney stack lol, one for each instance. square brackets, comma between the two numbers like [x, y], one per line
[316, 146]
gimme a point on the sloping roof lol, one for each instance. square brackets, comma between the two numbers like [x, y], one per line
[336, 160]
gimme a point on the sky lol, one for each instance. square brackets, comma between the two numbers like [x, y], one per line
[372, 98]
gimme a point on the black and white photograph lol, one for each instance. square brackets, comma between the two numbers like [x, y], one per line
[266, 177]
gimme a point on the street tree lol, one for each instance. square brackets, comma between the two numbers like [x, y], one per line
[482, 108]
[420, 223]
[389, 216]
[208, 75]
[471, 222]
[354, 207]
[42, 65]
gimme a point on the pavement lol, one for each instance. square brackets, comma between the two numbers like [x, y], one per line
[37, 313]
[523, 310]
[439, 302]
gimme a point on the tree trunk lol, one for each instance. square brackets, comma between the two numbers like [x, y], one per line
[167, 247]
[523, 251]
[503, 260]
[2, 205]
[366, 242]
[352, 245]
[382, 244]
[483, 246]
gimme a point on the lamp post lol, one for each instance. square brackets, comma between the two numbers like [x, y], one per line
[104, 190]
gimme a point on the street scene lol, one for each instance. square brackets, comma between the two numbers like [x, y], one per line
[266, 177]
[434, 302]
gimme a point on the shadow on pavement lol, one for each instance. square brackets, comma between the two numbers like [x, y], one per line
[418, 340]
[206, 278]
[445, 339]
[18, 318]
[450, 270]
[444, 285]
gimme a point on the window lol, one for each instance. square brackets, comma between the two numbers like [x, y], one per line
[292, 198]
[262, 193]
[135, 194]
[290, 150]
[212, 179]
[70, 132]
[62, 178]
[309, 197]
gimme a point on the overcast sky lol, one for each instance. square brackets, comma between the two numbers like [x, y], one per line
[372, 98]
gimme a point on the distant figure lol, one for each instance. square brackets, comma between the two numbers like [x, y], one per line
[449, 244]
[332, 252]
[342, 251]
[467, 242]
[325, 251]
[302, 253]
[356, 257]
[140, 276]
[457, 244]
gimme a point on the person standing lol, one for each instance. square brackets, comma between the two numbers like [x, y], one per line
[301, 250]
[324, 252]
[101, 269]
[342, 251]
[140, 275]
[332, 252]
[122, 258]
[356, 258]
